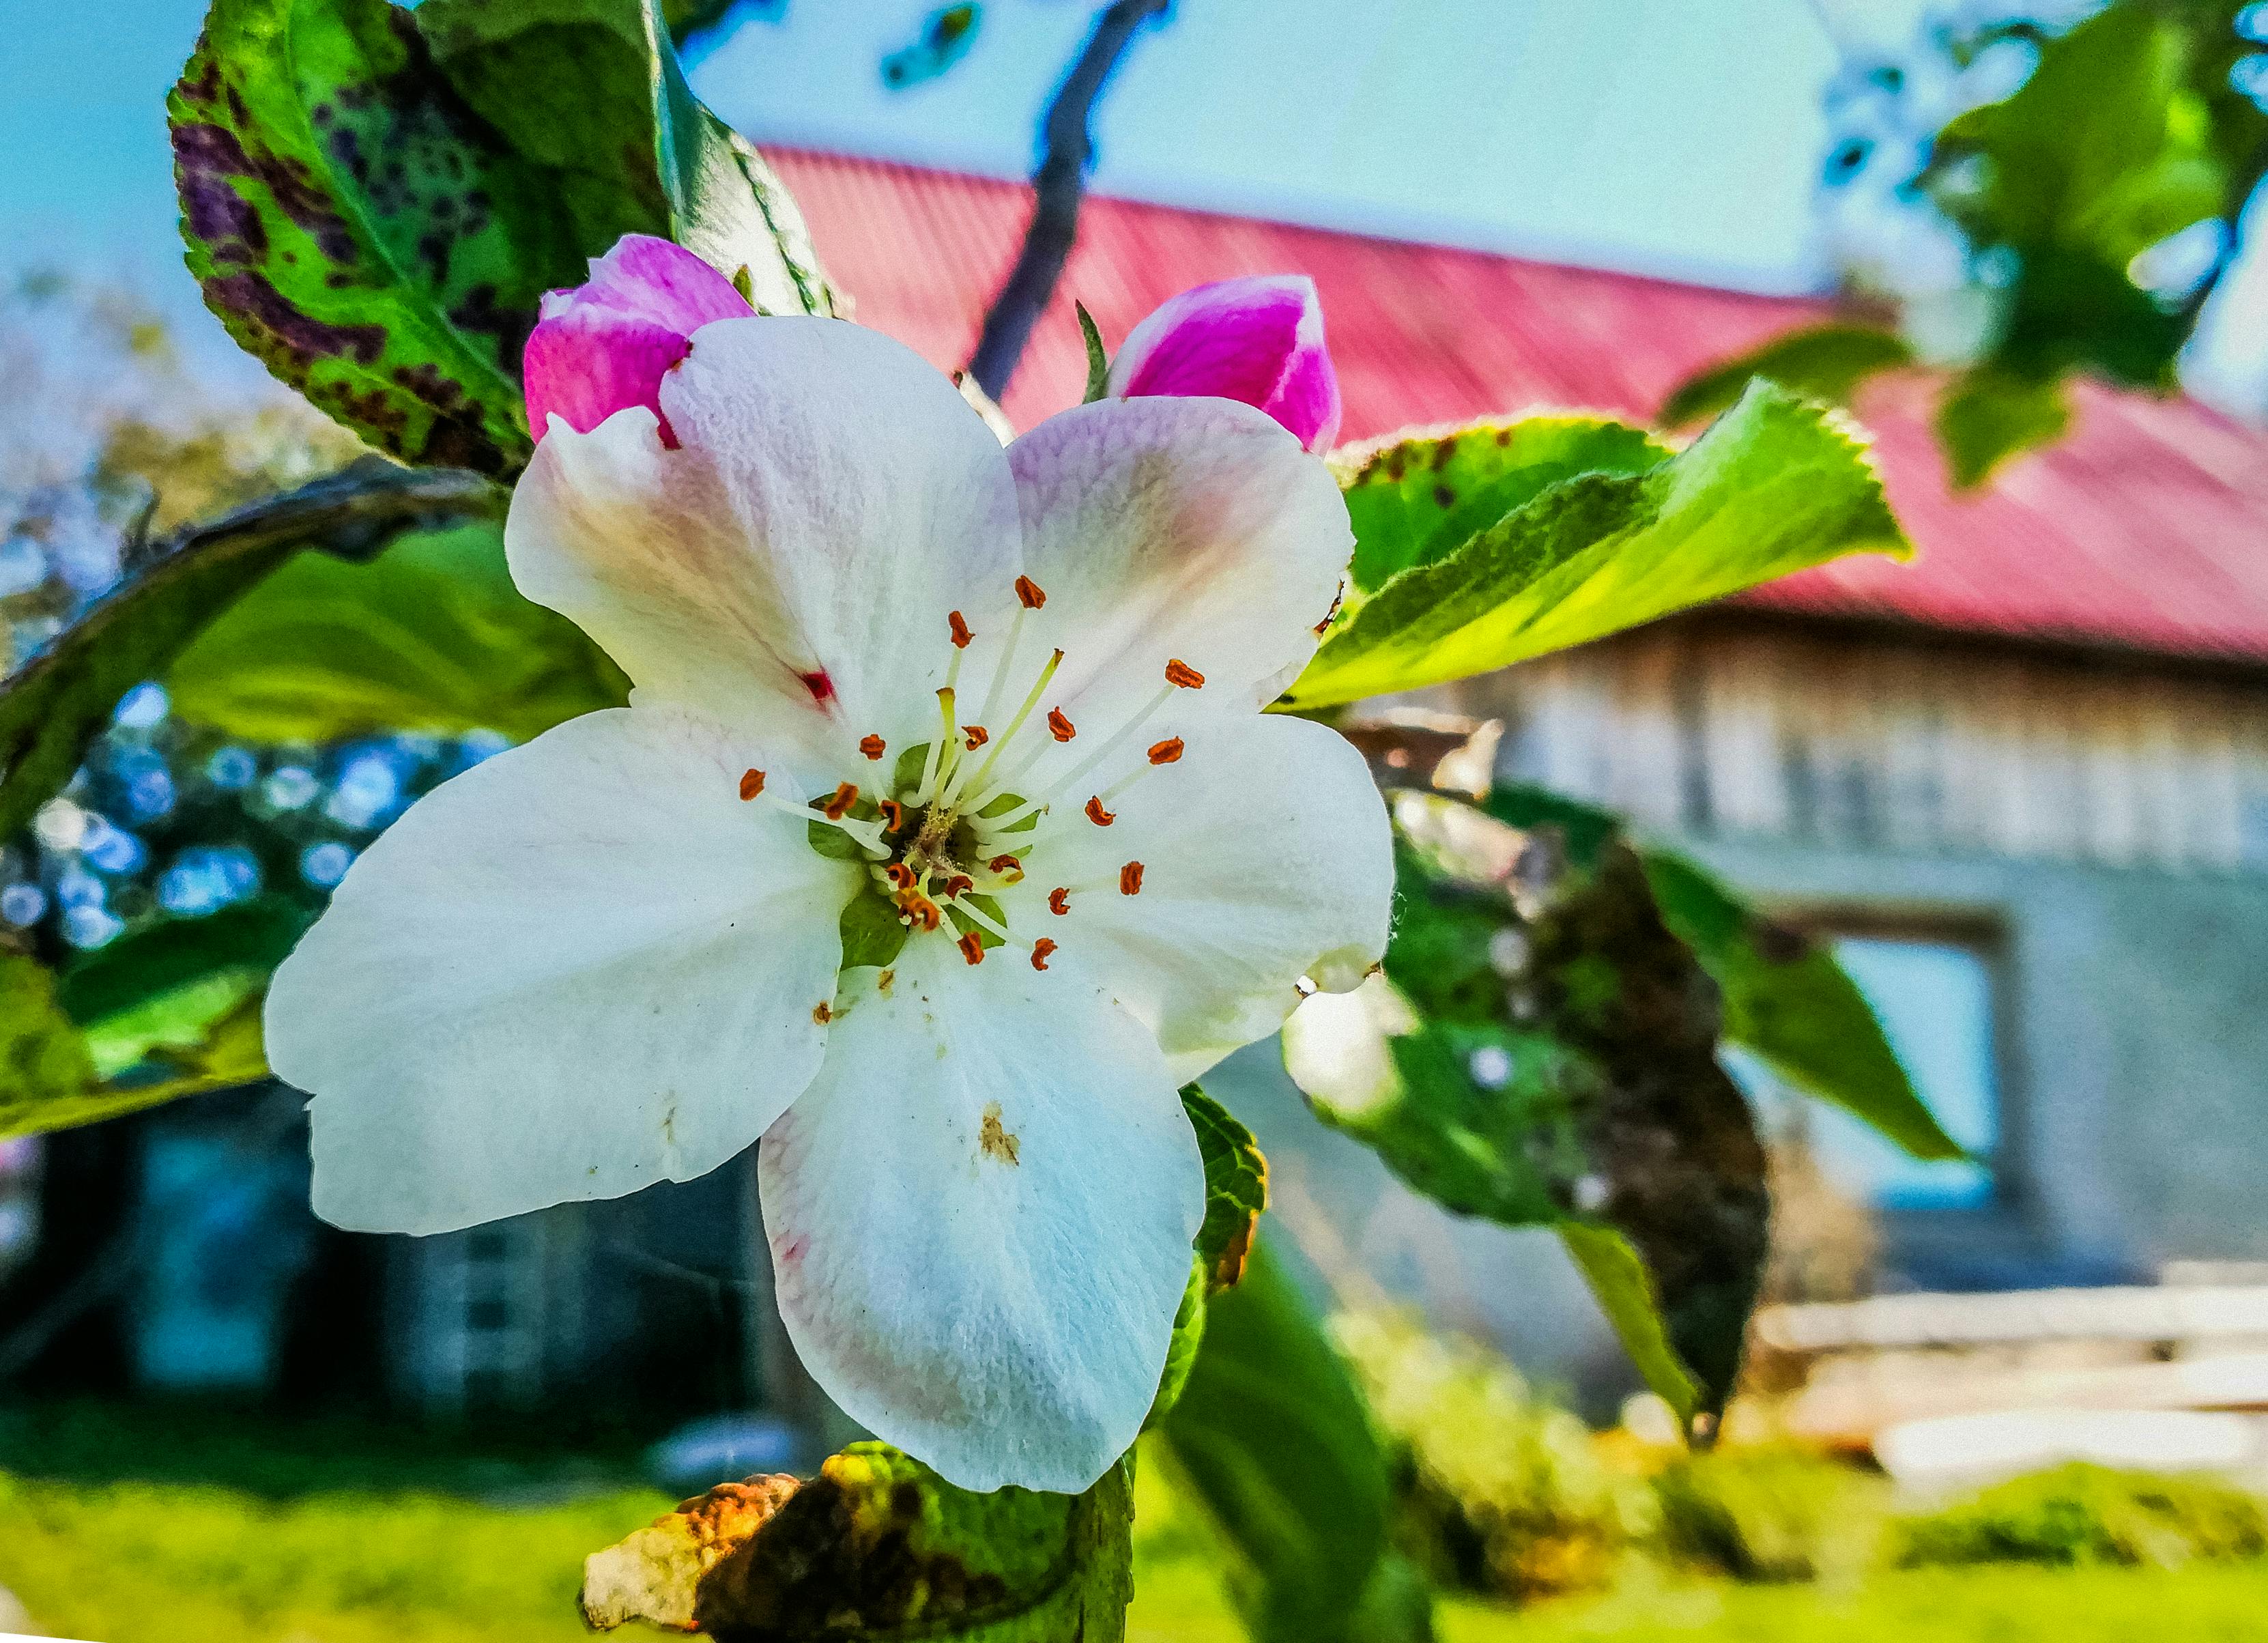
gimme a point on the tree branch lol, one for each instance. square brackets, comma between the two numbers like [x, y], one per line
[1067, 148]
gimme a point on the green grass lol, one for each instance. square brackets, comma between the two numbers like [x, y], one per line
[2217, 1604]
[224, 1538]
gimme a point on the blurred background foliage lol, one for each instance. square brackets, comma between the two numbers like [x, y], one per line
[2064, 192]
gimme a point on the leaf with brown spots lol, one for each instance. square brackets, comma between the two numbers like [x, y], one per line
[1786, 998]
[592, 91]
[878, 1547]
[1541, 1050]
[1774, 486]
[356, 227]
[1413, 496]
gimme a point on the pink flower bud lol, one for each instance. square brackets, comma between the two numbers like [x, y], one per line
[605, 345]
[1257, 339]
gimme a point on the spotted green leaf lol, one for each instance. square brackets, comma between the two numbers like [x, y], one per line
[1414, 497]
[592, 92]
[1784, 996]
[1774, 485]
[1540, 1050]
[359, 229]
[877, 1547]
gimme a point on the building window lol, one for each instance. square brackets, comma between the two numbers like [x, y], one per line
[1934, 999]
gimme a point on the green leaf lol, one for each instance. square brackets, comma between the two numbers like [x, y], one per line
[1787, 999]
[2097, 150]
[1236, 1188]
[878, 1547]
[568, 85]
[1773, 486]
[54, 706]
[177, 1046]
[1098, 358]
[1273, 1436]
[45, 1073]
[592, 91]
[166, 1008]
[1986, 417]
[1542, 1050]
[728, 204]
[372, 241]
[1414, 498]
[1826, 363]
[1619, 1282]
[1181, 1346]
[2106, 150]
[144, 964]
[429, 635]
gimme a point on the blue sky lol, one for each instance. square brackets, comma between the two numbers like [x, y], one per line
[1661, 135]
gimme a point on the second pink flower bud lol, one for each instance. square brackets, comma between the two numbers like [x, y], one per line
[1257, 339]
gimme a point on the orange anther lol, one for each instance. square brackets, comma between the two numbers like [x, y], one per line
[1058, 902]
[1029, 591]
[1180, 673]
[1097, 814]
[960, 633]
[1058, 726]
[976, 738]
[752, 783]
[1007, 866]
[822, 1013]
[1166, 751]
[1337, 598]
[900, 874]
[972, 947]
[871, 745]
[894, 815]
[958, 884]
[1040, 951]
[919, 909]
[1130, 879]
[839, 805]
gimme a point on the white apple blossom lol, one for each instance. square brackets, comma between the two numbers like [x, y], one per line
[992, 715]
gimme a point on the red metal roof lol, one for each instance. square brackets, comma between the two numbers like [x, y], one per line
[2146, 530]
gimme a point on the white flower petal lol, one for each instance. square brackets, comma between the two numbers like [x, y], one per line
[1189, 529]
[793, 564]
[981, 1215]
[578, 969]
[1266, 857]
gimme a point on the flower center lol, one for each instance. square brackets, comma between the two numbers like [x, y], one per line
[950, 831]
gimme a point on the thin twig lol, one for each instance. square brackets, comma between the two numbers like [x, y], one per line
[1067, 148]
